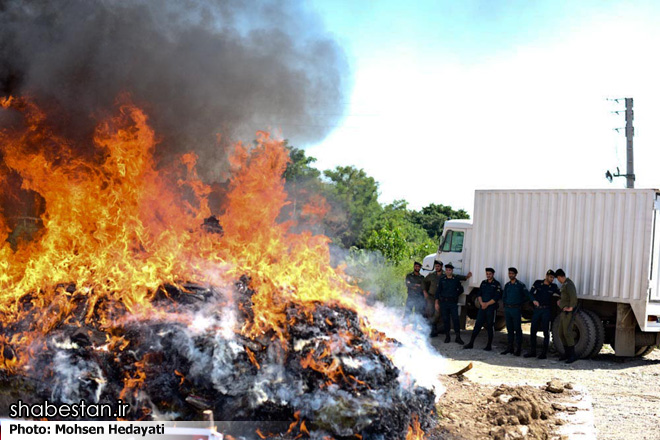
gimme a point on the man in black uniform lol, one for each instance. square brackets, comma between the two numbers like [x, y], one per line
[490, 292]
[515, 294]
[449, 289]
[415, 303]
[542, 292]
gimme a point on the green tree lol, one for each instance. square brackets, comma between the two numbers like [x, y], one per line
[397, 217]
[433, 217]
[304, 187]
[355, 194]
[300, 167]
[389, 242]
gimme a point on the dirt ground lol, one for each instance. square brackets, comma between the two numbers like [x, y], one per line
[625, 391]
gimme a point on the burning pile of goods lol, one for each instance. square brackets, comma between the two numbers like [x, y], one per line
[123, 294]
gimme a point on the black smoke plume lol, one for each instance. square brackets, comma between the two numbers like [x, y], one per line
[198, 67]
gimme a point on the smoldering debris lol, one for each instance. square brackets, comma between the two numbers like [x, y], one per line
[328, 372]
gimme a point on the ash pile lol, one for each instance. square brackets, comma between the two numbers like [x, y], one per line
[327, 376]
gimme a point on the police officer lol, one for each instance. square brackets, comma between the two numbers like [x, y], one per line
[449, 289]
[567, 303]
[542, 293]
[515, 294]
[415, 303]
[490, 292]
[430, 287]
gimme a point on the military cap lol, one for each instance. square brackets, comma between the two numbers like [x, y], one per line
[560, 273]
[550, 272]
[490, 269]
[514, 270]
[437, 262]
[417, 263]
[449, 266]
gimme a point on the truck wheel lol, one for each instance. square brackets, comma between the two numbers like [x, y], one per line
[600, 333]
[644, 350]
[584, 332]
[472, 304]
[500, 322]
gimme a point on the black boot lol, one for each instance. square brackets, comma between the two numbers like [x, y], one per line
[434, 332]
[447, 338]
[563, 357]
[489, 346]
[571, 355]
[518, 350]
[509, 349]
[470, 344]
[458, 339]
[544, 354]
[532, 347]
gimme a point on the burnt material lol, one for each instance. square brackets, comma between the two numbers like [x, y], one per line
[326, 372]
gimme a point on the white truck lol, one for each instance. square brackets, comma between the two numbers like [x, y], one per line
[607, 242]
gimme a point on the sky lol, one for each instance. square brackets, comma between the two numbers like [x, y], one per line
[453, 96]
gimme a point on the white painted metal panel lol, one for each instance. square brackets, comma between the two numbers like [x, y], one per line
[655, 253]
[602, 239]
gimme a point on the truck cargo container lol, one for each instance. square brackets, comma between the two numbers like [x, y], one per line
[607, 242]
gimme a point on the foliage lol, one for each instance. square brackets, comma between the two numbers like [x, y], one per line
[299, 168]
[389, 242]
[353, 192]
[433, 217]
[384, 280]
[356, 220]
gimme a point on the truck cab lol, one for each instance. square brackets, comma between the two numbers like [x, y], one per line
[453, 248]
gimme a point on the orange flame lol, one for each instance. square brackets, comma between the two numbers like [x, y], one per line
[116, 228]
[415, 430]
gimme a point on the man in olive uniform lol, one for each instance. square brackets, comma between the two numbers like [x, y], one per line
[542, 292]
[446, 296]
[430, 287]
[514, 296]
[567, 303]
[490, 292]
[415, 303]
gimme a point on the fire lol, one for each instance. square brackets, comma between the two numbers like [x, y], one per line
[116, 229]
[124, 242]
[415, 430]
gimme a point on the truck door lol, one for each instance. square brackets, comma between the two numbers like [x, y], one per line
[654, 273]
[451, 250]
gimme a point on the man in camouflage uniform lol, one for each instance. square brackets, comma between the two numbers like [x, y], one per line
[415, 303]
[490, 292]
[430, 287]
[543, 293]
[567, 303]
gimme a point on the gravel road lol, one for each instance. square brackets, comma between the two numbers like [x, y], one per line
[625, 391]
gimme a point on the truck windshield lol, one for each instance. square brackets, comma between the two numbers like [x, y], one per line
[453, 242]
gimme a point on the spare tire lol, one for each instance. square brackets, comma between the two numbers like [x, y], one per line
[584, 332]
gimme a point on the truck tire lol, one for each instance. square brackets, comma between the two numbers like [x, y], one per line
[472, 304]
[500, 322]
[600, 332]
[644, 350]
[584, 331]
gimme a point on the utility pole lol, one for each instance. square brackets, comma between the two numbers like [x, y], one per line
[630, 132]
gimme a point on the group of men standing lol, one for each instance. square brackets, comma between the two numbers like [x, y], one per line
[437, 295]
